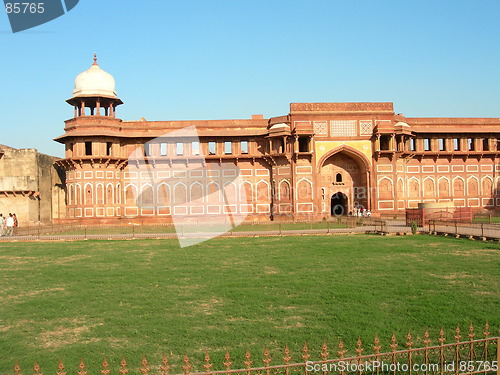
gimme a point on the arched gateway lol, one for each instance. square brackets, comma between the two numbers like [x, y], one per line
[339, 204]
[344, 177]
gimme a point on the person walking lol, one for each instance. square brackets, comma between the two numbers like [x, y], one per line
[16, 223]
[10, 225]
[2, 224]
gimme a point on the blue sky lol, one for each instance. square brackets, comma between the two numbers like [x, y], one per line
[216, 59]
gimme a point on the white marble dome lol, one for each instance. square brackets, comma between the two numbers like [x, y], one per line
[94, 82]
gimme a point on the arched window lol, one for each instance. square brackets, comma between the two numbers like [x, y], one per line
[338, 178]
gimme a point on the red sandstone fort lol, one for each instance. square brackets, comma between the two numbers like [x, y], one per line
[319, 160]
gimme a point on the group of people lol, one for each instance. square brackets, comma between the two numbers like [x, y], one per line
[360, 211]
[7, 224]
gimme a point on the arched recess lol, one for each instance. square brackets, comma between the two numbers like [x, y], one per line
[263, 191]
[180, 193]
[88, 193]
[78, 194]
[348, 150]
[443, 187]
[230, 193]
[429, 187]
[246, 192]
[284, 191]
[71, 194]
[400, 188]
[147, 196]
[346, 169]
[110, 194]
[472, 186]
[118, 194]
[413, 188]
[99, 193]
[213, 192]
[385, 188]
[130, 194]
[458, 187]
[487, 187]
[304, 190]
[196, 192]
[163, 194]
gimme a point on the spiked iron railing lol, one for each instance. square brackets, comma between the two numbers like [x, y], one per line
[468, 356]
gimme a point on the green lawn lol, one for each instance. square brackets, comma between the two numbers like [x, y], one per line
[486, 219]
[89, 298]
[159, 229]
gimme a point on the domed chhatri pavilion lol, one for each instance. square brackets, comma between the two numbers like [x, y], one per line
[320, 159]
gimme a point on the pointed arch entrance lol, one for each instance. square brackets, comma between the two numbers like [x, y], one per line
[339, 204]
[344, 176]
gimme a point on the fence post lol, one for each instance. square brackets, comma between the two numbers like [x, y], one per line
[327, 226]
[133, 232]
[482, 229]
[456, 228]
[498, 355]
[279, 226]
[85, 232]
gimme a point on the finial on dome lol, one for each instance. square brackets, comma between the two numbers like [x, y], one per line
[95, 59]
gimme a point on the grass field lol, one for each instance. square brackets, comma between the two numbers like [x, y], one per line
[492, 219]
[159, 229]
[89, 298]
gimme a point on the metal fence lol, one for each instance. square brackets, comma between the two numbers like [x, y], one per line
[167, 230]
[464, 354]
[480, 230]
[483, 230]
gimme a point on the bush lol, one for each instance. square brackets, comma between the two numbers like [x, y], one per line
[414, 227]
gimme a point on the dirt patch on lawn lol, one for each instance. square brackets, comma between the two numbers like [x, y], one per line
[67, 332]
[292, 322]
[33, 293]
[470, 253]
[454, 278]
[71, 258]
[16, 261]
[270, 270]
[207, 307]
